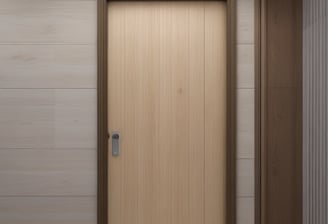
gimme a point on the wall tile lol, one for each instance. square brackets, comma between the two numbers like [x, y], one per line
[245, 145]
[245, 177]
[48, 118]
[42, 172]
[245, 66]
[245, 21]
[48, 66]
[245, 110]
[47, 21]
[51, 210]
[245, 210]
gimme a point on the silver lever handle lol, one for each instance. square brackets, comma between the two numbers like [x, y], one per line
[116, 144]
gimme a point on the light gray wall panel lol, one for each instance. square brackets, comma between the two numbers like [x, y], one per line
[48, 210]
[245, 210]
[245, 145]
[48, 118]
[47, 21]
[48, 111]
[245, 22]
[245, 66]
[245, 111]
[42, 172]
[48, 66]
[245, 176]
[315, 111]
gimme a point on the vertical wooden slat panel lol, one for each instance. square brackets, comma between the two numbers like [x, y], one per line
[315, 111]
[196, 113]
[215, 118]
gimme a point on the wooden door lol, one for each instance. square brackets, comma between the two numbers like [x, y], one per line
[167, 99]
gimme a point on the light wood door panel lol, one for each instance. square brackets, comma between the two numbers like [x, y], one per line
[215, 112]
[167, 98]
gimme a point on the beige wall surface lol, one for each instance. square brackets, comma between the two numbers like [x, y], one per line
[48, 111]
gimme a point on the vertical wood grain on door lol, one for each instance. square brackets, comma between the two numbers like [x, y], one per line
[167, 98]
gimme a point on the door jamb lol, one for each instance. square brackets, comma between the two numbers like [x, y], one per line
[258, 110]
[263, 17]
[102, 120]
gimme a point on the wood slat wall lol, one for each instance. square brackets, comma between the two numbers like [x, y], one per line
[315, 115]
[48, 111]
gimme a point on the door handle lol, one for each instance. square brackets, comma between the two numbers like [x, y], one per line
[115, 144]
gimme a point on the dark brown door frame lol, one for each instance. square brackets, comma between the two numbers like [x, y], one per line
[278, 106]
[102, 130]
[257, 110]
